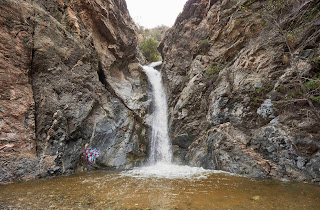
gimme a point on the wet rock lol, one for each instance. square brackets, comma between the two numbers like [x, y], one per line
[183, 141]
[255, 198]
[179, 154]
[54, 170]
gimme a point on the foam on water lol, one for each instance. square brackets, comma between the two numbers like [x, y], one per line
[168, 171]
[154, 64]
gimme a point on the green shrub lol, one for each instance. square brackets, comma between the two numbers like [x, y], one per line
[312, 85]
[281, 89]
[204, 43]
[258, 95]
[155, 33]
[315, 60]
[295, 93]
[204, 46]
[148, 47]
[313, 12]
[315, 98]
[213, 70]
[278, 5]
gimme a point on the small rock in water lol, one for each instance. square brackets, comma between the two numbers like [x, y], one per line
[255, 198]
[112, 202]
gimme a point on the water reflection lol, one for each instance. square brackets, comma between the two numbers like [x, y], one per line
[107, 189]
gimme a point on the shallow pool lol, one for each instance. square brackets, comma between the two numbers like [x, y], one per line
[117, 190]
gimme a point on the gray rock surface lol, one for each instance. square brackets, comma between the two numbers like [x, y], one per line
[233, 103]
[73, 80]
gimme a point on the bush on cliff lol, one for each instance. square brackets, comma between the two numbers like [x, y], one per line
[148, 47]
[157, 32]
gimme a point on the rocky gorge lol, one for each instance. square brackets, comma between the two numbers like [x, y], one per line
[242, 79]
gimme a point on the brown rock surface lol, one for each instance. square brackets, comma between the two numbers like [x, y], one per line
[17, 120]
[69, 79]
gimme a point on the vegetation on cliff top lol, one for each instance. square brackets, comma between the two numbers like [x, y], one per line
[149, 41]
[148, 47]
[156, 33]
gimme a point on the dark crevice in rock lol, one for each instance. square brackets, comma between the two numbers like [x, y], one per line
[30, 74]
[103, 80]
[102, 77]
[307, 148]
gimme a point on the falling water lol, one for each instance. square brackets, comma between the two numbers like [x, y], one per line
[160, 150]
[160, 159]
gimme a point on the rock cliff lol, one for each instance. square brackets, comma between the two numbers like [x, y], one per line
[243, 87]
[242, 77]
[69, 79]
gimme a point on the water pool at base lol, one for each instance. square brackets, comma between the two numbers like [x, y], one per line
[126, 190]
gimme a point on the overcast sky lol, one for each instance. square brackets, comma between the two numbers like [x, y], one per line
[151, 13]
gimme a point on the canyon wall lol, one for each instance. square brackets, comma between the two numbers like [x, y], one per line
[69, 79]
[243, 83]
[242, 78]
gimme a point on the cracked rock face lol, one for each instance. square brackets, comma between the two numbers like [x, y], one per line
[224, 67]
[69, 79]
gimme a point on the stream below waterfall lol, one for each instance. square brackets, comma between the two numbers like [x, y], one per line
[160, 184]
[115, 190]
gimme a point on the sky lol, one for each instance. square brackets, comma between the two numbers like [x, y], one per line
[152, 13]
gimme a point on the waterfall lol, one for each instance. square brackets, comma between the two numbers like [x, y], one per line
[160, 159]
[160, 149]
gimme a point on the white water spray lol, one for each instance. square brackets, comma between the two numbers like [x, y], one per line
[160, 158]
[160, 150]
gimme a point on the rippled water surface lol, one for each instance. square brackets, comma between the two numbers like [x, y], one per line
[118, 190]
